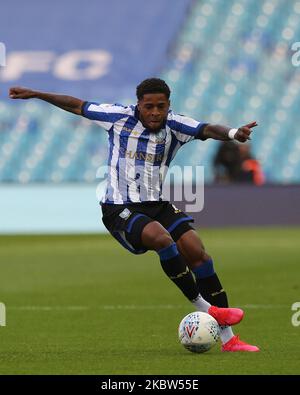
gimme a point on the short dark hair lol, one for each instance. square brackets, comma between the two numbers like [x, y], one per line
[152, 85]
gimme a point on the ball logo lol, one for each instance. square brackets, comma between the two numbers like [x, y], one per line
[190, 329]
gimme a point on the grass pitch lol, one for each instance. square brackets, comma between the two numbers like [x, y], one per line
[84, 305]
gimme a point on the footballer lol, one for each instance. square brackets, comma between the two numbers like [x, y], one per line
[143, 139]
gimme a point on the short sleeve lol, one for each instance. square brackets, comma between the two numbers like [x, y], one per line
[186, 128]
[105, 114]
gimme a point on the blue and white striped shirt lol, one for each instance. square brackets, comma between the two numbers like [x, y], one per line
[139, 158]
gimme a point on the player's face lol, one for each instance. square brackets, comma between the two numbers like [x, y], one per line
[153, 109]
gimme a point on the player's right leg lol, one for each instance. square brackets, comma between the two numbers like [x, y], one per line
[155, 237]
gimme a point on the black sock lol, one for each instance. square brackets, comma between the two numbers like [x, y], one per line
[209, 285]
[176, 269]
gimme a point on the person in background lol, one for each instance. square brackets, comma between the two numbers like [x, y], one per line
[234, 163]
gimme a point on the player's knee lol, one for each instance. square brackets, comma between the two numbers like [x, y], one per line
[163, 240]
[206, 257]
[156, 237]
[198, 257]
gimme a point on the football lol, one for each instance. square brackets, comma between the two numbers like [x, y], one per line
[198, 332]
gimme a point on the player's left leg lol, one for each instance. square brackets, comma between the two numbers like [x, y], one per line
[192, 249]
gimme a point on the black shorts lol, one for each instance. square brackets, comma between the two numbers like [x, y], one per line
[126, 221]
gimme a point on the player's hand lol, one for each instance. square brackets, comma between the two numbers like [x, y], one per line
[21, 93]
[244, 132]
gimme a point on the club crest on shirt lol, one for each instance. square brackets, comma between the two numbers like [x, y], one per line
[160, 136]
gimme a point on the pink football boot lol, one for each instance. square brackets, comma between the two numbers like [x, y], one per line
[226, 315]
[235, 344]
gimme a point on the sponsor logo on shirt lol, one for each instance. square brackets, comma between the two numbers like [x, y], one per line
[144, 156]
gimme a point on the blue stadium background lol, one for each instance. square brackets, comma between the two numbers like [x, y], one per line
[227, 62]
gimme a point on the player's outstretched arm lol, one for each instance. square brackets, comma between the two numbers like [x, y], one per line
[68, 103]
[224, 133]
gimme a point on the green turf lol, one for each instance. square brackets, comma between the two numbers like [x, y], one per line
[84, 305]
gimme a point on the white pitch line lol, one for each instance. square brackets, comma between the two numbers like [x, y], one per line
[264, 306]
[133, 307]
[48, 308]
